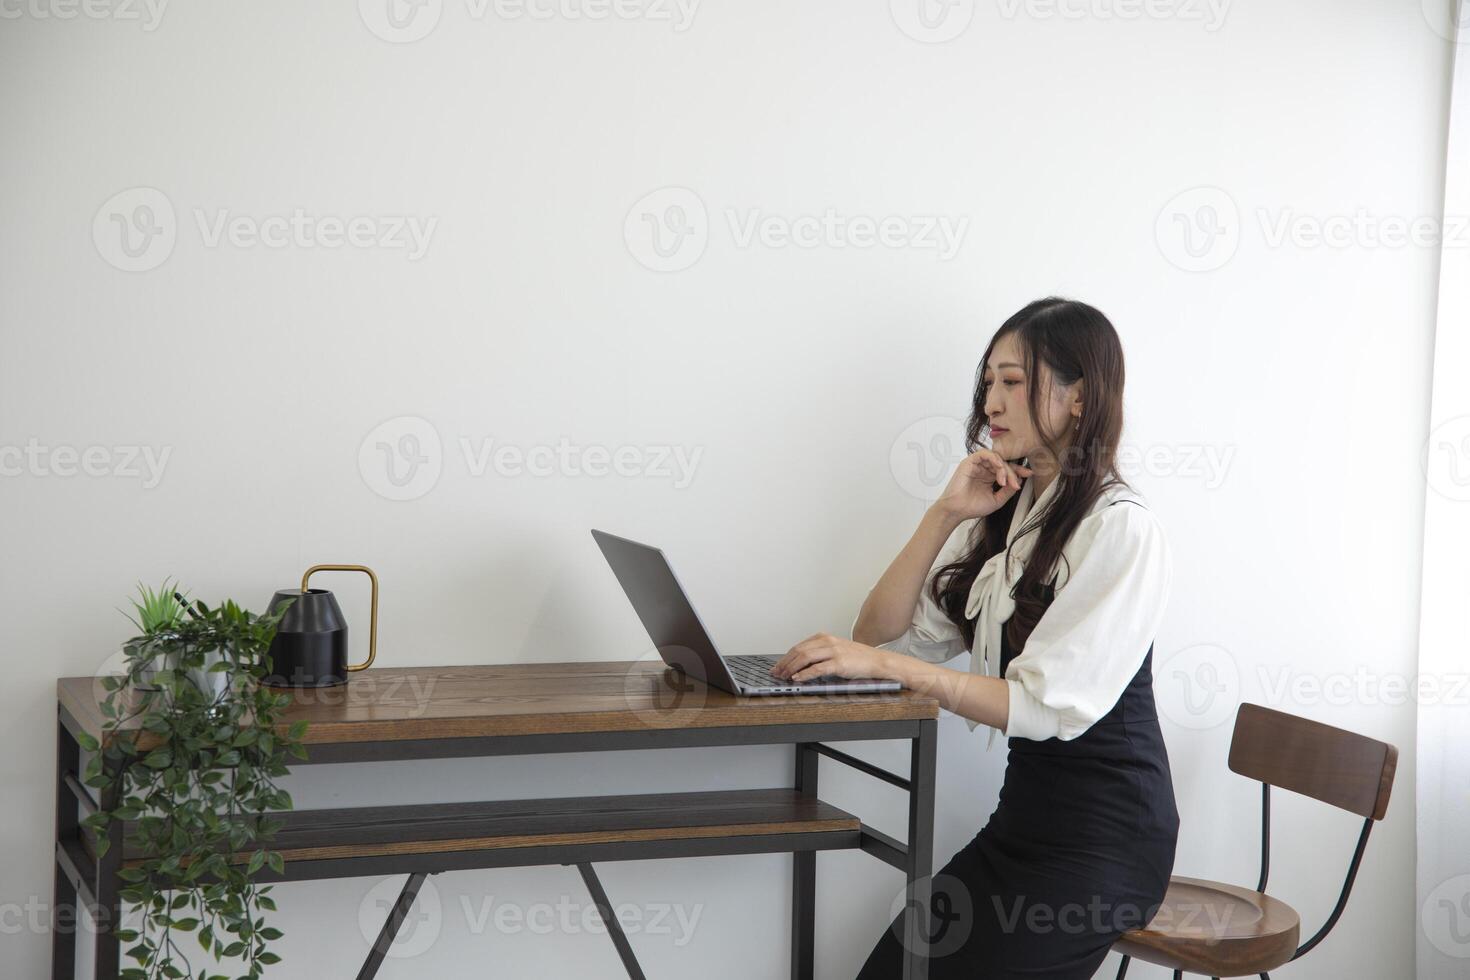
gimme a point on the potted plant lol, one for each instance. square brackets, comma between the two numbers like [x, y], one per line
[197, 764]
[159, 611]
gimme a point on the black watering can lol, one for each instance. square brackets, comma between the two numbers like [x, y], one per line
[310, 646]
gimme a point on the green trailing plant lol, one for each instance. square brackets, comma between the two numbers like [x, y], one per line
[193, 769]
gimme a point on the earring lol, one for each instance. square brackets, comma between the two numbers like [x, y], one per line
[1076, 423]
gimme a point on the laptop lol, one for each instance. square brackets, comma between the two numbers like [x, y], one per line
[682, 640]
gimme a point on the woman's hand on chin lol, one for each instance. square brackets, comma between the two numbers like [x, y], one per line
[981, 485]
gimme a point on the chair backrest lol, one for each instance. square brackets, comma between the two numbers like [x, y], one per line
[1347, 770]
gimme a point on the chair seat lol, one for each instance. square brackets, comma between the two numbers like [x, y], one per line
[1216, 929]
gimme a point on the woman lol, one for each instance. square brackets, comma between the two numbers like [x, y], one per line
[1041, 560]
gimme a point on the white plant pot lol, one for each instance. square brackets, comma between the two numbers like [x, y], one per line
[211, 683]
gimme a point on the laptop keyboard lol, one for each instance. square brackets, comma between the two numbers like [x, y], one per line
[756, 670]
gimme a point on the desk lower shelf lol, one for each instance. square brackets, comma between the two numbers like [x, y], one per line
[448, 836]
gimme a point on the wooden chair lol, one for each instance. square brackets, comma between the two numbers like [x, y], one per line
[1222, 930]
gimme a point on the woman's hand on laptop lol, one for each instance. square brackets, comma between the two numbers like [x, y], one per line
[823, 654]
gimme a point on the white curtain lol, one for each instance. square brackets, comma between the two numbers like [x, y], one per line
[1443, 746]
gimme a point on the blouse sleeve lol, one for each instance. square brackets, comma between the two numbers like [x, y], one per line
[1090, 641]
[931, 636]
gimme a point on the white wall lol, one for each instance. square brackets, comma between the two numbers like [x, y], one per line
[795, 374]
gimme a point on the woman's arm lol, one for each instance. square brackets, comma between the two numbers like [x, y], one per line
[889, 607]
[980, 698]
[974, 696]
[980, 485]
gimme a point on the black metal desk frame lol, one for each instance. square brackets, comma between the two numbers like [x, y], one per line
[82, 881]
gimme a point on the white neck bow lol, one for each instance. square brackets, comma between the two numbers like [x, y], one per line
[990, 602]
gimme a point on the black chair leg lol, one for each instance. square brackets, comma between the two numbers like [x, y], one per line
[1178, 974]
[1123, 967]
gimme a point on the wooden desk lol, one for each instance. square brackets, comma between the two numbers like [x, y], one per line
[444, 712]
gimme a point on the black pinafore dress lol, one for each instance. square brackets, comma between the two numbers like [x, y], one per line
[1078, 851]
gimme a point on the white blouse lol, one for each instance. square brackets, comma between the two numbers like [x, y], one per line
[1111, 592]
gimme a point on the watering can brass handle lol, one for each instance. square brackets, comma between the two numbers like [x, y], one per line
[373, 628]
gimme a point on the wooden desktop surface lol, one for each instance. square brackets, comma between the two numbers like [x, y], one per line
[390, 703]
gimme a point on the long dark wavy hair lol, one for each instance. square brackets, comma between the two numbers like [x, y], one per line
[1074, 341]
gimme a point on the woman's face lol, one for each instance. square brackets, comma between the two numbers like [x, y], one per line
[1013, 433]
